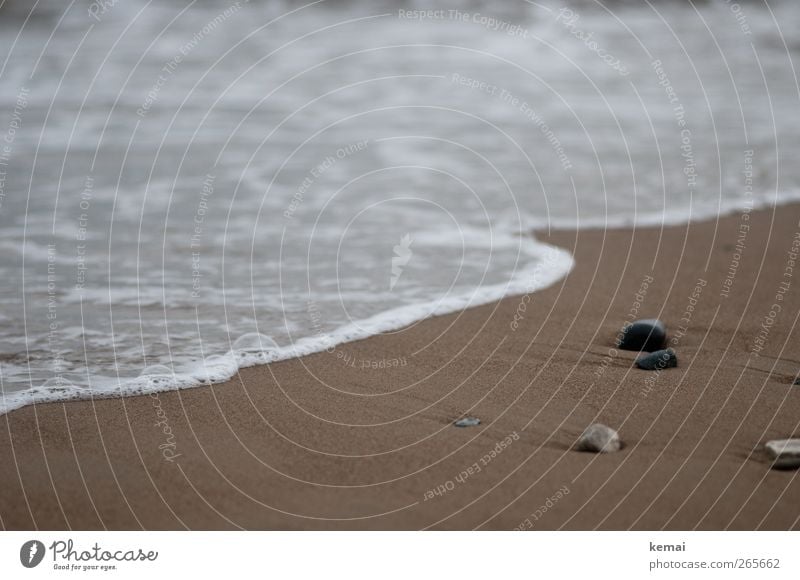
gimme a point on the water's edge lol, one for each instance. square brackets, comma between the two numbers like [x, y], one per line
[551, 265]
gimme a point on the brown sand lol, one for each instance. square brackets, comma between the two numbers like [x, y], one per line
[321, 442]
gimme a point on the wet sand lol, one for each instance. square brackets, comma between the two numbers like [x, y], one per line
[362, 437]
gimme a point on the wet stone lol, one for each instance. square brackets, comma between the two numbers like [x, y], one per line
[647, 335]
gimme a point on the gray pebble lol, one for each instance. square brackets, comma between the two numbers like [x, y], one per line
[784, 453]
[467, 422]
[660, 359]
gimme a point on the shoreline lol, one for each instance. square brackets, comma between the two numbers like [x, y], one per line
[391, 320]
[319, 443]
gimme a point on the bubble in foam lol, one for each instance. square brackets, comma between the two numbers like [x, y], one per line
[157, 375]
[215, 368]
[255, 345]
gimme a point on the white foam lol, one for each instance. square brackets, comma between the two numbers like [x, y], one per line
[548, 265]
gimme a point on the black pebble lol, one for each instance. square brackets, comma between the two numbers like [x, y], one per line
[660, 359]
[647, 335]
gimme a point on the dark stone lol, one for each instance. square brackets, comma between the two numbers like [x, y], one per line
[647, 335]
[797, 381]
[467, 422]
[655, 361]
[789, 464]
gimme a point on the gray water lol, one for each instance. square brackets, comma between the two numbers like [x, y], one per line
[188, 188]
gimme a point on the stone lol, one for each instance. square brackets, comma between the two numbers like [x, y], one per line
[647, 335]
[467, 422]
[598, 438]
[784, 453]
[797, 381]
[655, 361]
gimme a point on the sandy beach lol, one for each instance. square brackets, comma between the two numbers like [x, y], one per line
[362, 437]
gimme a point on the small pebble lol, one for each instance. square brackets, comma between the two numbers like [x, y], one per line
[648, 335]
[785, 453]
[660, 359]
[599, 439]
[797, 381]
[467, 422]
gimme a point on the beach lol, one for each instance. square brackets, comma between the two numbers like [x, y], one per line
[362, 437]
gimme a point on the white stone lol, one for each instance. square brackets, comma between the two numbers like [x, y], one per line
[785, 453]
[599, 439]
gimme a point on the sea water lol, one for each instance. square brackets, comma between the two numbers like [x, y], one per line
[187, 188]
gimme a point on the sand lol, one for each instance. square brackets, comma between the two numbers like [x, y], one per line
[362, 438]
